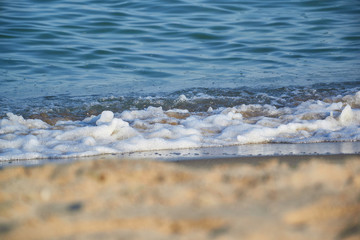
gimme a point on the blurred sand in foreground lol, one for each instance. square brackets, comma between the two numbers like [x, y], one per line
[142, 199]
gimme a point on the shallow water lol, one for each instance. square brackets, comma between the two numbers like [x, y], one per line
[69, 60]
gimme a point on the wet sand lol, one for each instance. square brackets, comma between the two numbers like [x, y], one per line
[289, 197]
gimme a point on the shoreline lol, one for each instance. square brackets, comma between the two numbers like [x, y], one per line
[199, 162]
[254, 153]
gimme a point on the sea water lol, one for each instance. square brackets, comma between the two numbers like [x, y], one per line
[83, 78]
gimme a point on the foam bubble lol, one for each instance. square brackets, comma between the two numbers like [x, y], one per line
[347, 116]
[105, 117]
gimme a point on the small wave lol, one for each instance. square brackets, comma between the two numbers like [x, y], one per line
[335, 119]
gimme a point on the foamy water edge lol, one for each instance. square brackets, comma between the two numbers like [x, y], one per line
[150, 129]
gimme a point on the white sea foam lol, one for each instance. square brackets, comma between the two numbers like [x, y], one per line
[156, 129]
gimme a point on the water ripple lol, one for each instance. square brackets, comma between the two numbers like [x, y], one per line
[126, 46]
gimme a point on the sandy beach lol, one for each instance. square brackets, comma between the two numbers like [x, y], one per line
[180, 120]
[308, 197]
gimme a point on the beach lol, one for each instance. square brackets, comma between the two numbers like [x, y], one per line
[179, 120]
[287, 197]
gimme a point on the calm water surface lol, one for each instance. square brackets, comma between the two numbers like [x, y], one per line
[53, 50]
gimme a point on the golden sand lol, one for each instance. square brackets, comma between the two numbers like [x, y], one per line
[142, 199]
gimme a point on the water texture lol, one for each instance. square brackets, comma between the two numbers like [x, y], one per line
[73, 48]
[83, 78]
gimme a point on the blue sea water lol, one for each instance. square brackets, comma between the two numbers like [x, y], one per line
[73, 59]
[77, 48]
